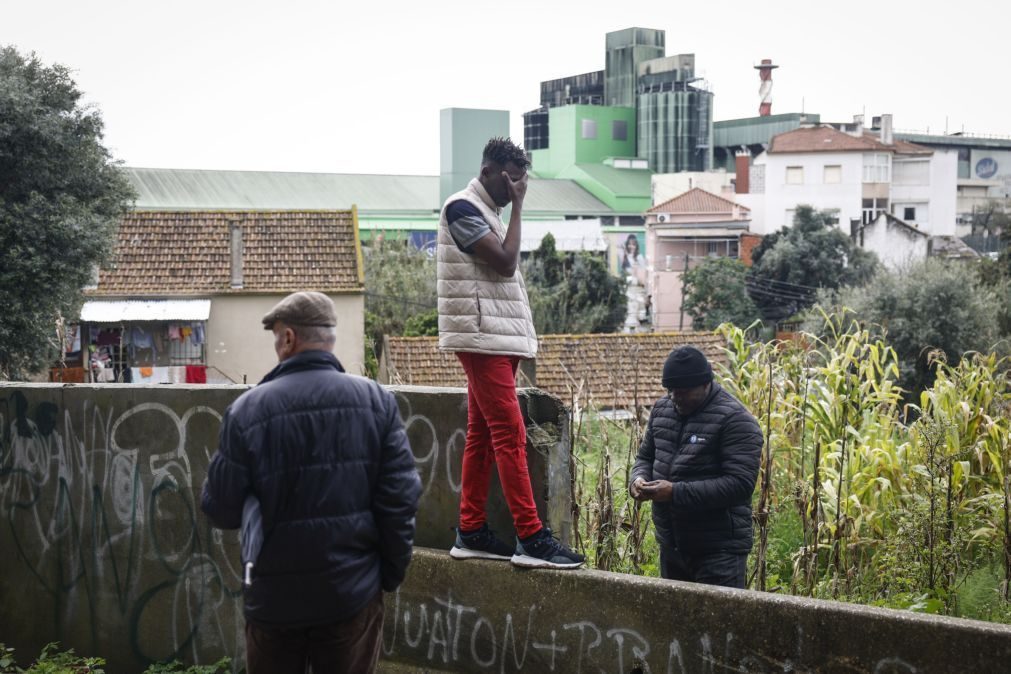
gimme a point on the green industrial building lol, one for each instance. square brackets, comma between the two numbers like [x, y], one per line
[610, 130]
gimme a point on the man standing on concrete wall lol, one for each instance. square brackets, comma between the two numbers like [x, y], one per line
[326, 455]
[484, 316]
[698, 463]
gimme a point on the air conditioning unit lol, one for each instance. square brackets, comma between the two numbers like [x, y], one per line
[661, 218]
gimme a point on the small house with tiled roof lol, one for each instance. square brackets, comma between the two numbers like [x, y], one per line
[606, 371]
[854, 174]
[680, 233]
[188, 289]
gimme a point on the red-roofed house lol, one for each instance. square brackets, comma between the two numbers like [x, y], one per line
[187, 289]
[856, 174]
[679, 233]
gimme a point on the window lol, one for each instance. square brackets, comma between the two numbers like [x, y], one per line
[619, 129]
[872, 208]
[909, 213]
[911, 172]
[831, 216]
[789, 217]
[794, 175]
[589, 129]
[876, 167]
[712, 248]
[833, 174]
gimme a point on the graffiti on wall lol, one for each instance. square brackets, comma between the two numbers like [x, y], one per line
[101, 507]
[449, 634]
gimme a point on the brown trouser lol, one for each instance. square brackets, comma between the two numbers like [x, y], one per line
[350, 646]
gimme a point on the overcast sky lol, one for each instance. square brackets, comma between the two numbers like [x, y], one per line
[356, 87]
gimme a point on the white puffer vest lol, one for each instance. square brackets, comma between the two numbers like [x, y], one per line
[479, 309]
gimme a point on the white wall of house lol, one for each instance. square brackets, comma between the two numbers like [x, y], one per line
[943, 192]
[926, 186]
[755, 202]
[783, 192]
[896, 246]
[924, 191]
[238, 345]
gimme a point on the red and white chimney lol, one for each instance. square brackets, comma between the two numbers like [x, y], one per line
[765, 69]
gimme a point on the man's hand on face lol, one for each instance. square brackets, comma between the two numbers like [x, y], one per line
[656, 490]
[517, 188]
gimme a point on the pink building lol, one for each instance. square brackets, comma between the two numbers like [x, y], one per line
[680, 233]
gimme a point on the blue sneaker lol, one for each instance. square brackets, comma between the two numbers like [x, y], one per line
[480, 544]
[543, 551]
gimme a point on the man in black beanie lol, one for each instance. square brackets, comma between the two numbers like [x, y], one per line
[698, 463]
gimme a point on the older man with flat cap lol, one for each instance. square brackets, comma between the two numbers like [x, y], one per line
[698, 464]
[325, 455]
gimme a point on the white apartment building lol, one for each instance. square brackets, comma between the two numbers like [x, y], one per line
[855, 174]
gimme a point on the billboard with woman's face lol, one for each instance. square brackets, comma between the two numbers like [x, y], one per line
[629, 255]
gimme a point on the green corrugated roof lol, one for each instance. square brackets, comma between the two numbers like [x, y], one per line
[621, 182]
[263, 190]
[186, 189]
[563, 197]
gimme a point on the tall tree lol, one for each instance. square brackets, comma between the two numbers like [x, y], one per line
[61, 199]
[932, 305]
[571, 294]
[399, 293]
[791, 264]
[716, 292]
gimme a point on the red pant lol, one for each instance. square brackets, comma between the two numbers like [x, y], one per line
[495, 435]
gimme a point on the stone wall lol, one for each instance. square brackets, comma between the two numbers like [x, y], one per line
[103, 547]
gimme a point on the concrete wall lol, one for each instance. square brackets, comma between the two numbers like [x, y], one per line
[487, 616]
[238, 345]
[102, 543]
[896, 246]
[102, 547]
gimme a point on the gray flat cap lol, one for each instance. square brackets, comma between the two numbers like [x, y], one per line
[302, 308]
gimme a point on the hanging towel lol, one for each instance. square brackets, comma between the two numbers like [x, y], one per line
[185, 331]
[173, 332]
[160, 375]
[198, 333]
[146, 372]
[196, 374]
[177, 374]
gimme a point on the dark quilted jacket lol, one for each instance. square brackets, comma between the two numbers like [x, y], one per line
[712, 459]
[326, 454]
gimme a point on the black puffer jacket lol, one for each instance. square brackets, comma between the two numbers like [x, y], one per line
[712, 458]
[326, 454]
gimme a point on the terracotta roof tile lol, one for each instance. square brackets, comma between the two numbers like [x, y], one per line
[697, 200]
[188, 253]
[614, 371]
[830, 139]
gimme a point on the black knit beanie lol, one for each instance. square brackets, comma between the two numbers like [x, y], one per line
[686, 367]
